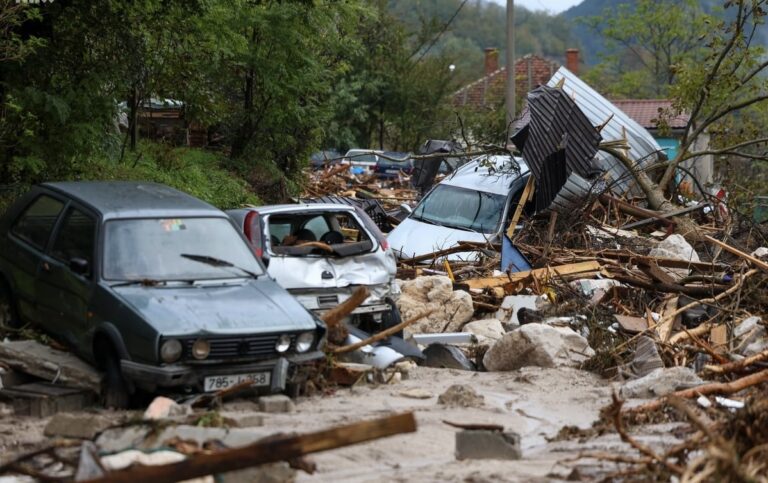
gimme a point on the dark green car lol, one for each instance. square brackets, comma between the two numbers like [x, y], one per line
[155, 287]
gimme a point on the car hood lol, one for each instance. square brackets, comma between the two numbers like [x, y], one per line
[243, 307]
[412, 238]
[312, 272]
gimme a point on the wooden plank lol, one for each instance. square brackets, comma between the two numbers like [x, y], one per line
[278, 448]
[718, 338]
[633, 325]
[560, 270]
[664, 328]
[755, 261]
[527, 193]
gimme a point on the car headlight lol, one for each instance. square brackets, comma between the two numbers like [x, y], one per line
[170, 350]
[304, 341]
[200, 349]
[283, 343]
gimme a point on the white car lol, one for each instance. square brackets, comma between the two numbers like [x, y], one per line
[362, 161]
[321, 252]
[475, 203]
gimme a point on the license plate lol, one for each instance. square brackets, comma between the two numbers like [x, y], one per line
[217, 383]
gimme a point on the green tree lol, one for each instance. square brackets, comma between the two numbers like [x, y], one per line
[646, 42]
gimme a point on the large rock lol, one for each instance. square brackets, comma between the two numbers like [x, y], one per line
[487, 331]
[538, 345]
[675, 246]
[661, 382]
[452, 308]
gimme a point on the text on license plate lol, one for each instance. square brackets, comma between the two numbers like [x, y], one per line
[216, 383]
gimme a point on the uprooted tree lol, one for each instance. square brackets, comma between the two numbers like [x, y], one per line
[723, 89]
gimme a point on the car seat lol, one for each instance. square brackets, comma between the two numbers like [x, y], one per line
[304, 234]
[332, 237]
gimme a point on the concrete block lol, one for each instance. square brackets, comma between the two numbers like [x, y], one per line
[277, 403]
[77, 425]
[488, 445]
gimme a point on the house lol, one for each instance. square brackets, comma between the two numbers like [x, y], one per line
[488, 92]
[647, 113]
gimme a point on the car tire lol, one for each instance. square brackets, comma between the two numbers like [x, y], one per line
[8, 316]
[115, 392]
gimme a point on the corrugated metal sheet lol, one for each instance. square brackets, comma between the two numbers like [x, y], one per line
[573, 193]
[557, 123]
[643, 148]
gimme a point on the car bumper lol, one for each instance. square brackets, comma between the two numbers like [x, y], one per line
[151, 377]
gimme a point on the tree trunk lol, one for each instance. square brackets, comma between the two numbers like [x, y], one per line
[133, 117]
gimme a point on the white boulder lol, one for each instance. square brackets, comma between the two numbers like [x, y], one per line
[538, 345]
[451, 308]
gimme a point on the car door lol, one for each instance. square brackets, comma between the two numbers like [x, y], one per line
[65, 292]
[29, 237]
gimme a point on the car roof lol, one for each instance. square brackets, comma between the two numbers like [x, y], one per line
[478, 175]
[297, 207]
[133, 199]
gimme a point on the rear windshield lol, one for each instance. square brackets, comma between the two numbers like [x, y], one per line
[162, 249]
[461, 208]
[331, 234]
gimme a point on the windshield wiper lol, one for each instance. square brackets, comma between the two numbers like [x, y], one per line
[425, 220]
[145, 282]
[217, 262]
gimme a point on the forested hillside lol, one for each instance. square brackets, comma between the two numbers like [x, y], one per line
[480, 24]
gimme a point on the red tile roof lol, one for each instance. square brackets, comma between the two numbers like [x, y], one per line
[646, 112]
[530, 72]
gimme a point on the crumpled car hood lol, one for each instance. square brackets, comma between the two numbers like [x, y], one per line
[249, 307]
[412, 238]
[332, 272]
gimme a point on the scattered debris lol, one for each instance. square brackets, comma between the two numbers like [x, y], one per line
[459, 395]
[484, 444]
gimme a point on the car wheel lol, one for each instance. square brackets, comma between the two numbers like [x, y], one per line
[8, 317]
[115, 390]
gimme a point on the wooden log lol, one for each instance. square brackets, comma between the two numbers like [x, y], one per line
[714, 388]
[275, 449]
[381, 335]
[738, 365]
[754, 261]
[560, 270]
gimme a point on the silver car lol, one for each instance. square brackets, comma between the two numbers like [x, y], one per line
[475, 203]
[321, 253]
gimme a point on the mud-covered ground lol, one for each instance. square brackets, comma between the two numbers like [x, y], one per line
[534, 402]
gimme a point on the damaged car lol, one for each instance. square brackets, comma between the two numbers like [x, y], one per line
[321, 253]
[155, 287]
[475, 203]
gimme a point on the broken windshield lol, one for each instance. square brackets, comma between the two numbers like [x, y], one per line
[461, 208]
[152, 249]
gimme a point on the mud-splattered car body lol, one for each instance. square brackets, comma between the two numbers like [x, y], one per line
[321, 253]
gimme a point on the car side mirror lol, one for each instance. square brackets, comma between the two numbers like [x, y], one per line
[79, 265]
[406, 208]
[265, 261]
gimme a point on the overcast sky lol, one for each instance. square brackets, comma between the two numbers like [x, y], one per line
[554, 6]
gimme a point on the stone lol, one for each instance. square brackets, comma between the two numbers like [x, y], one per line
[761, 253]
[511, 305]
[451, 308]
[746, 326]
[486, 330]
[487, 445]
[538, 345]
[646, 358]
[675, 246]
[416, 394]
[446, 357]
[163, 407]
[277, 403]
[81, 425]
[460, 395]
[661, 382]
[755, 347]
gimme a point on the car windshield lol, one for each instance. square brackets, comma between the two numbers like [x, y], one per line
[153, 249]
[362, 157]
[461, 208]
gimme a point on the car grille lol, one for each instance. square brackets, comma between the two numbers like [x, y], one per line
[327, 301]
[247, 347]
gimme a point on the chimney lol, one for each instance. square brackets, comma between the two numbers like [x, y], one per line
[491, 60]
[572, 60]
